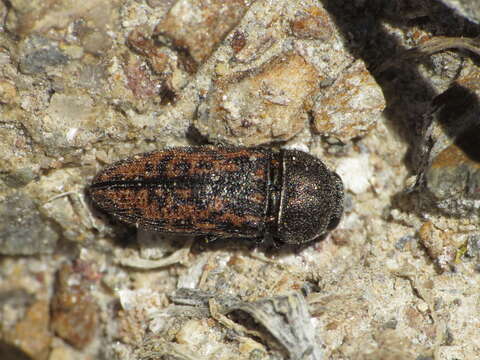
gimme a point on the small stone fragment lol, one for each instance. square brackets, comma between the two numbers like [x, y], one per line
[22, 15]
[350, 106]
[62, 353]
[450, 177]
[140, 40]
[162, 61]
[439, 245]
[29, 338]
[74, 311]
[8, 92]
[23, 231]
[313, 24]
[158, 3]
[252, 109]
[18, 178]
[38, 53]
[28, 17]
[71, 121]
[96, 42]
[139, 79]
[14, 304]
[453, 173]
[15, 155]
[199, 33]
[193, 333]
[361, 167]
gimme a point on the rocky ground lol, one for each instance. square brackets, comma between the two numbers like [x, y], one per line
[387, 93]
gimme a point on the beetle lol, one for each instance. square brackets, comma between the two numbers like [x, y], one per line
[287, 195]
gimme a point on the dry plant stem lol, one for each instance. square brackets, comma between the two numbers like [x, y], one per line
[432, 46]
[225, 321]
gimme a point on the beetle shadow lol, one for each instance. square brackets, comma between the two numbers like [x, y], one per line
[205, 243]
[194, 137]
[407, 93]
[457, 103]
[276, 249]
[266, 246]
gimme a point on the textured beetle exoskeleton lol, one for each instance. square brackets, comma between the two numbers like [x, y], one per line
[220, 191]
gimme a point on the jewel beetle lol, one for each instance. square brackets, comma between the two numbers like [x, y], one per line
[287, 195]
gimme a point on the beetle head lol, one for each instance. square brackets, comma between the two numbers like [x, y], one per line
[311, 201]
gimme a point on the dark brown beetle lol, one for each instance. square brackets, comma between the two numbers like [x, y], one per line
[223, 192]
